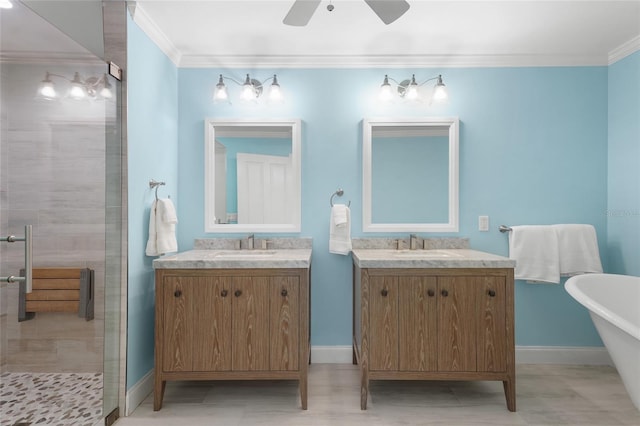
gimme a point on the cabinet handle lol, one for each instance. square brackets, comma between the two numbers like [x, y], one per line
[177, 293]
[223, 293]
[384, 292]
[431, 293]
[491, 293]
[284, 292]
[444, 293]
[238, 293]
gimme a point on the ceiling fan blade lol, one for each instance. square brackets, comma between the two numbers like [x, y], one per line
[388, 10]
[301, 12]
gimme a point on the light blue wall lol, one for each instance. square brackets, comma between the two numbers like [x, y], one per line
[152, 154]
[624, 166]
[533, 149]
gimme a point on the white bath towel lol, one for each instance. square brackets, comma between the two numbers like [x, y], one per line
[162, 234]
[340, 230]
[578, 249]
[535, 250]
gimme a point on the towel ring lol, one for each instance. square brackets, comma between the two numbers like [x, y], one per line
[155, 184]
[339, 193]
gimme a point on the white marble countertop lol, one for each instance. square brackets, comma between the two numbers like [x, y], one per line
[441, 258]
[235, 259]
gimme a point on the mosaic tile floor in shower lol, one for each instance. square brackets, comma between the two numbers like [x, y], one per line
[50, 398]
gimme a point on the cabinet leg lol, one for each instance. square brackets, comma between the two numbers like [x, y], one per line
[158, 394]
[510, 393]
[364, 390]
[303, 391]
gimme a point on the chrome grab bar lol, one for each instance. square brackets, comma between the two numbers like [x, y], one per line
[28, 257]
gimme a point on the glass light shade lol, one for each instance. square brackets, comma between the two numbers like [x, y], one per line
[412, 89]
[106, 90]
[220, 93]
[440, 91]
[77, 90]
[5, 4]
[46, 89]
[275, 93]
[386, 93]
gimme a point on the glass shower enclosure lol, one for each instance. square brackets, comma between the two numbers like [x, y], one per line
[61, 188]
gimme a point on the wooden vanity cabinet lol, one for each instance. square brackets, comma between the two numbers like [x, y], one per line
[246, 324]
[434, 324]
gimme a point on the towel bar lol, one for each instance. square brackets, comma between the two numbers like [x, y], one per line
[504, 228]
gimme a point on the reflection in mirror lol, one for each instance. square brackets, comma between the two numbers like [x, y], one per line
[252, 176]
[410, 175]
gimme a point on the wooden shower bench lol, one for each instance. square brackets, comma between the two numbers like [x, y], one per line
[58, 290]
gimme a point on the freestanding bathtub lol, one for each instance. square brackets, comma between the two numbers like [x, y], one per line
[613, 302]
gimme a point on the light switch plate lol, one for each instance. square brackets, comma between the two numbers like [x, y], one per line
[483, 223]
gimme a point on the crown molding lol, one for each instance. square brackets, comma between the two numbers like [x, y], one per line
[624, 50]
[386, 61]
[146, 24]
[48, 58]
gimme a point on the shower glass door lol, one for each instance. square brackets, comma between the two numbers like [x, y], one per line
[60, 172]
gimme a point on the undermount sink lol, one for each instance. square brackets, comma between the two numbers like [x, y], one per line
[254, 254]
[424, 254]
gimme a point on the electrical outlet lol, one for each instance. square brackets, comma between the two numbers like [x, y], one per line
[483, 223]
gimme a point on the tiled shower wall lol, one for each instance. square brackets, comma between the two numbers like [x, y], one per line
[52, 176]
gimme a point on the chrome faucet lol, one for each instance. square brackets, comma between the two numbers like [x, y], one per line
[250, 240]
[413, 241]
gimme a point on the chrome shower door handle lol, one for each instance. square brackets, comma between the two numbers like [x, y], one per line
[28, 259]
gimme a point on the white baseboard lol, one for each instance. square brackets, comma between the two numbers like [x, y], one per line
[524, 355]
[138, 393]
[331, 354]
[562, 355]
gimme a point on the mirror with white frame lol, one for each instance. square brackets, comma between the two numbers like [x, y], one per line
[252, 175]
[410, 175]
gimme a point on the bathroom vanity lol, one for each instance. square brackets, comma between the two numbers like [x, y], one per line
[433, 315]
[232, 315]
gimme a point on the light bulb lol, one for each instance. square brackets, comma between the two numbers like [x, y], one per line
[5, 4]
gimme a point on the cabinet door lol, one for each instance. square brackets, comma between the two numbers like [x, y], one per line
[383, 323]
[177, 336]
[418, 340]
[491, 335]
[250, 324]
[211, 324]
[457, 316]
[284, 323]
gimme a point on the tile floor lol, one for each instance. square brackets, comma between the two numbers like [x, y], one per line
[547, 395]
[50, 398]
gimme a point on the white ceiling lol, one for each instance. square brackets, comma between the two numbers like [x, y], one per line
[432, 33]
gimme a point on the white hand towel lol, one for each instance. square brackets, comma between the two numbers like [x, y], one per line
[340, 230]
[578, 249]
[168, 211]
[535, 250]
[162, 228]
[152, 248]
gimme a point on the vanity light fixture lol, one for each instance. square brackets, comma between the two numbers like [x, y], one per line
[251, 89]
[90, 88]
[408, 89]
